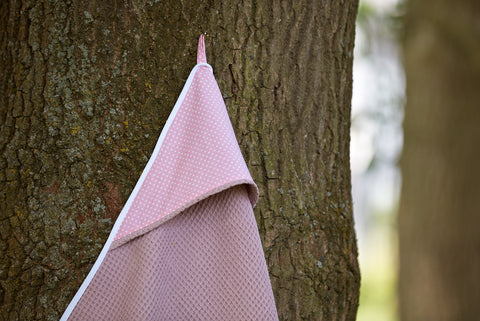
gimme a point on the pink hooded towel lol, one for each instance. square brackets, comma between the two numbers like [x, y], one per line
[185, 245]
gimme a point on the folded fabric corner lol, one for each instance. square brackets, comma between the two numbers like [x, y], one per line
[185, 245]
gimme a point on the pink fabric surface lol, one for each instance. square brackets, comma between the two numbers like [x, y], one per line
[186, 244]
[201, 56]
[199, 154]
[206, 263]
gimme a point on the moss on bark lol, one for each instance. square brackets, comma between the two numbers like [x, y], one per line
[86, 88]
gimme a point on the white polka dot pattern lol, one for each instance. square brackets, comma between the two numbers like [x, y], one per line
[186, 245]
[200, 153]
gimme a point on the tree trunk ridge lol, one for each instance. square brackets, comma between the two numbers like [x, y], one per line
[86, 88]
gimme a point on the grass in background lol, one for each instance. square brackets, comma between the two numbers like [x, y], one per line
[378, 299]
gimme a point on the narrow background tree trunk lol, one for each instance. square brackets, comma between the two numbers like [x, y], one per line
[439, 209]
[86, 88]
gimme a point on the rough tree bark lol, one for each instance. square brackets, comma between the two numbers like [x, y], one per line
[439, 209]
[86, 88]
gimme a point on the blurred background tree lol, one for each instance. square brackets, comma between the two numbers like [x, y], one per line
[440, 204]
[439, 245]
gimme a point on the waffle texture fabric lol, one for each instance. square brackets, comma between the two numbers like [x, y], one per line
[210, 266]
[186, 244]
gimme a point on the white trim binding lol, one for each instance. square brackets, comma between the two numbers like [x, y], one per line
[132, 196]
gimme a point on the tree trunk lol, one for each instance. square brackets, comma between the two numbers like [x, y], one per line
[86, 88]
[439, 210]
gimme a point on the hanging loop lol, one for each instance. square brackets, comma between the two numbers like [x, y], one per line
[201, 56]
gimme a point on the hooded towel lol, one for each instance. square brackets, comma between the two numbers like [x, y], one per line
[185, 245]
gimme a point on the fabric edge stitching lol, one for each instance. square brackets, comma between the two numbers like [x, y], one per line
[71, 306]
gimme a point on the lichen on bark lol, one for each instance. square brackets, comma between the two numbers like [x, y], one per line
[86, 88]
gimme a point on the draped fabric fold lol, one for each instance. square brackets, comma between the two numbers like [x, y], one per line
[186, 245]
